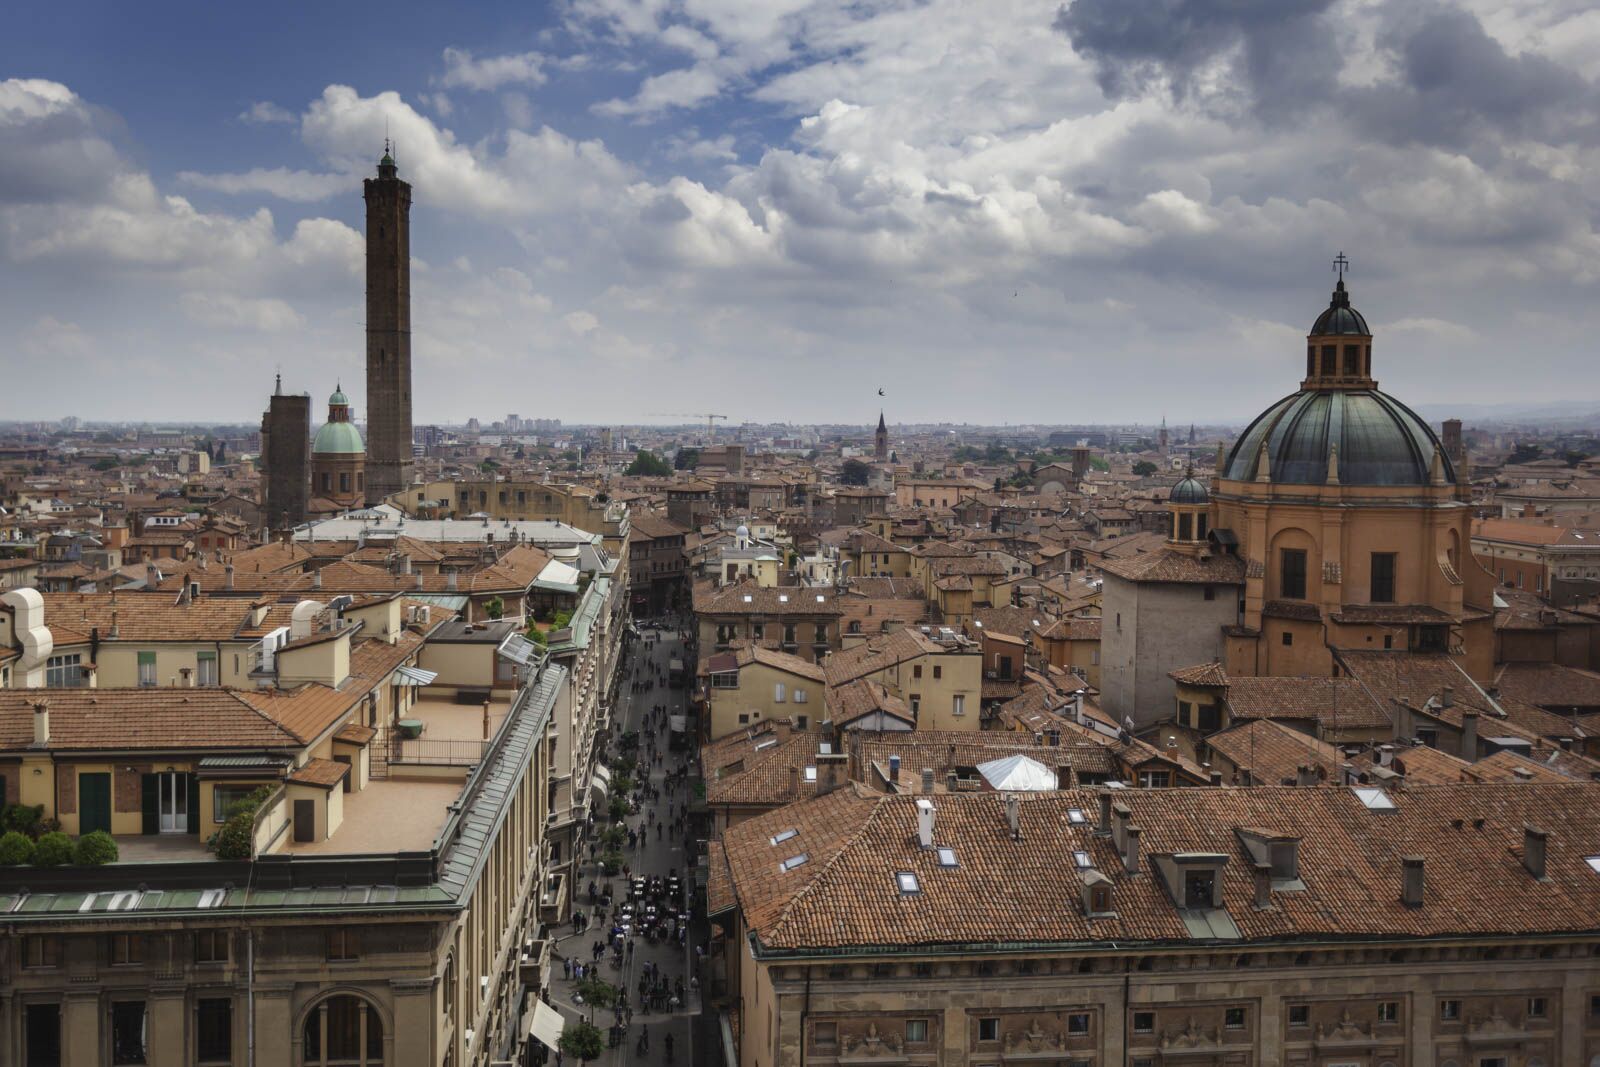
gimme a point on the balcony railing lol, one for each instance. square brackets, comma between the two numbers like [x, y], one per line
[453, 753]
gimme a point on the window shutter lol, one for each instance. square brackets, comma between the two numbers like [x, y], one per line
[150, 802]
[194, 804]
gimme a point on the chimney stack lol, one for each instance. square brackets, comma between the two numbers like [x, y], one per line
[1305, 774]
[925, 822]
[1412, 880]
[1263, 885]
[41, 724]
[316, 578]
[90, 675]
[1130, 850]
[1533, 851]
[951, 780]
[450, 581]
[927, 780]
[1447, 697]
[1014, 816]
[152, 576]
[227, 577]
[404, 563]
[1469, 736]
[1103, 828]
[187, 674]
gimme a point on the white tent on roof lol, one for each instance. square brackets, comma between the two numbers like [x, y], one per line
[1018, 774]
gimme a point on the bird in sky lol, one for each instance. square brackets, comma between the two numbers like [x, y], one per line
[880, 392]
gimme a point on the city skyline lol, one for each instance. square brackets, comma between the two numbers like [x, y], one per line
[672, 192]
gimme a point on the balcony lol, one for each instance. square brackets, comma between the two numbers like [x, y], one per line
[533, 962]
[553, 905]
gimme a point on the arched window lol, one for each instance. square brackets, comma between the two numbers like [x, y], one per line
[449, 986]
[343, 1031]
[1185, 525]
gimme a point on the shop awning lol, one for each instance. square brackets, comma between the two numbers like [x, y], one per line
[600, 783]
[546, 1024]
[414, 676]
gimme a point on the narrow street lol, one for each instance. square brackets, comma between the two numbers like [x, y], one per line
[647, 700]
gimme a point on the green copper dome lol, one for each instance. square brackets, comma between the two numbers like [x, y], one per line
[338, 438]
[338, 399]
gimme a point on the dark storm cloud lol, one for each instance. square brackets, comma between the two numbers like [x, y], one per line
[1281, 51]
[1455, 84]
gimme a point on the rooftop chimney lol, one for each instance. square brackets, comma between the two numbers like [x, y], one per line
[1411, 883]
[450, 581]
[227, 577]
[1263, 885]
[1103, 828]
[1130, 849]
[1305, 774]
[187, 674]
[1533, 851]
[152, 576]
[924, 822]
[927, 779]
[1447, 697]
[90, 673]
[951, 781]
[41, 724]
[404, 562]
[316, 578]
[1014, 816]
[1469, 736]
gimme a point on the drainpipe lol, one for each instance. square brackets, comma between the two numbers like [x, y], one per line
[250, 996]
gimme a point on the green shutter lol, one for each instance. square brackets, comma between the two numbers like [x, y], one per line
[150, 802]
[194, 803]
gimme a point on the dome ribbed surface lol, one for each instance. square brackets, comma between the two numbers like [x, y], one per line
[1381, 441]
[1189, 491]
[1340, 317]
[338, 438]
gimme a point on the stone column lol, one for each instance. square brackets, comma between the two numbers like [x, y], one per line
[416, 1023]
[167, 1028]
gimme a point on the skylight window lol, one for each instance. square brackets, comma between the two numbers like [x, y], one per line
[792, 862]
[1076, 817]
[1593, 862]
[783, 598]
[947, 857]
[212, 897]
[1373, 799]
[748, 598]
[1081, 859]
[908, 882]
[811, 774]
[820, 599]
[768, 743]
[783, 835]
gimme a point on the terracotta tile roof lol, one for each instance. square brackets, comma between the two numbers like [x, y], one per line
[1201, 674]
[747, 598]
[1549, 685]
[1292, 609]
[157, 617]
[1332, 702]
[147, 718]
[354, 733]
[943, 751]
[767, 657]
[307, 711]
[1273, 752]
[880, 653]
[744, 774]
[1417, 765]
[1391, 614]
[1349, 860]
[848, 703]
[1507, 766]
[325, 773]
[1177, 567]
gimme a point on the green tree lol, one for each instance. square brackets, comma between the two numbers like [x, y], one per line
[854, 472]
[597, 993]
[582, 1041]
[648, 465]
[1099, 464]
[687, 459]
[1525, 454]
[1144, 468]
[494, 607]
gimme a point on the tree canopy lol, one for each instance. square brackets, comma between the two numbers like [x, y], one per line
[648, 464]
[854, 472]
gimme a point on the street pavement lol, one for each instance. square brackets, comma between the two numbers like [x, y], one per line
[662, 851]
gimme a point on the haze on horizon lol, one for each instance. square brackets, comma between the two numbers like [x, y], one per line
[1098, 211]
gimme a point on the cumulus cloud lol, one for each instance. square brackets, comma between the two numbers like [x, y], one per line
[265, 112]
[231, 312]
[285, 184]
[463, 70]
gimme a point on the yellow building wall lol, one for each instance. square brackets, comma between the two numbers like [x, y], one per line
[756, 697]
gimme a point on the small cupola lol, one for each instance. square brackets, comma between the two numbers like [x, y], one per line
[1339, 346]
[1188, 513]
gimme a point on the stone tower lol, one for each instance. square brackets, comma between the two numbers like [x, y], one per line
[285, 459]
[388, 331]
[880, 441]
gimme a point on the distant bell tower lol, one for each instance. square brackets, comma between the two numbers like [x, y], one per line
[389, 461]
[880, 441]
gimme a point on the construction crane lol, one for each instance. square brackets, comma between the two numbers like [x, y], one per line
[711, 420]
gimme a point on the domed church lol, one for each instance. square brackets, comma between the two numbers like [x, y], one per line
[338, 460]
[1336, 521]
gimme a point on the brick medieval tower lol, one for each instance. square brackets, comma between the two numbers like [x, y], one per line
[285, 459]
[880, 441]
[389, 462]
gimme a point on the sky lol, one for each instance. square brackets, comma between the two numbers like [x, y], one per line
[1006, 211]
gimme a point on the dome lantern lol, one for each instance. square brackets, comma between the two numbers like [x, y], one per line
[1339, 346]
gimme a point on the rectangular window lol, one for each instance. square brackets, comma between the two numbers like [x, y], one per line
[1288, 639]
[916, 703]
[916, 670]
[342, 944]
[988, 1029]
[1538, 1008]
[1078, 1023]
[916, 1031]
[1299, 1015]
[826, 1035]
[64, 671]
[127, 950]
[42, 1039]
[1389, 1011]
[938, 671]
[1450, 1010]
[725, 680]
[1144, 1022]
[1199, 888]
[799, 696]
[225, 798]
[1207, 717]
[41, 951]
[214, 1030]
[206, 669]
[1155, 779]
[1233, 1018]
[211, 946]
[1382, 591]
[1292, 574]
[147, 669]
[777, 693]
[958, 704]
[128, 1032]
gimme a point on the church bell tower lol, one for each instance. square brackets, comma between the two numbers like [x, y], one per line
[389, 463]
